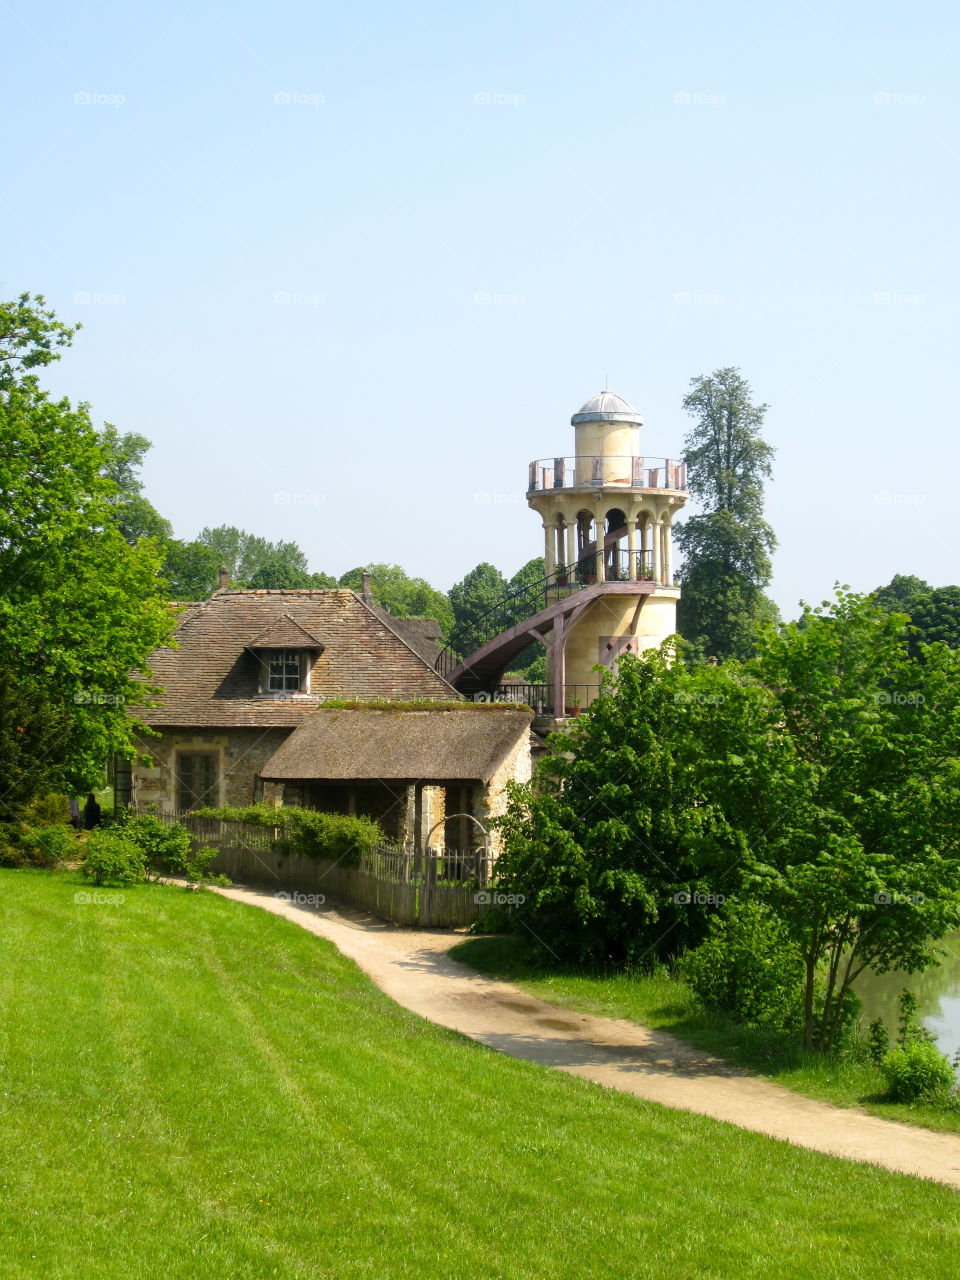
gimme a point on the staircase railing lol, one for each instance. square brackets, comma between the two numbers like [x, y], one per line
[533, 597]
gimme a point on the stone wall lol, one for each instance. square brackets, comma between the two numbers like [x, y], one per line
[240, 754]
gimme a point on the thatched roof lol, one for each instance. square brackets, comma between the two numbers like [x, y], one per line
[428, 745]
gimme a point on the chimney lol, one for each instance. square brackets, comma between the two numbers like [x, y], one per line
[365, 589]
[224, 577]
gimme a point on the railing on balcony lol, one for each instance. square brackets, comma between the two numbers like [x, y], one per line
[597, 471]
[539, 697]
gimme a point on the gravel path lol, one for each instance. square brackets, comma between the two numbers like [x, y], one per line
[412, 967]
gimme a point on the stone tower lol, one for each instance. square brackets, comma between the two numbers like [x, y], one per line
[607, 515]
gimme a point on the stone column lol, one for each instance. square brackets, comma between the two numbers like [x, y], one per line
[668, 553]
[549, 548]
[655, 544]
[600, 521]
[571, 533]
[632, 548]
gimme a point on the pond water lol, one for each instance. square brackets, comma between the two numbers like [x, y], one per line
[937, 990]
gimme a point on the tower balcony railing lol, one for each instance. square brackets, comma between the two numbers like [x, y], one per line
[600, 471]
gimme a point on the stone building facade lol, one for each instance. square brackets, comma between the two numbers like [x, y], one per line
[253, 709]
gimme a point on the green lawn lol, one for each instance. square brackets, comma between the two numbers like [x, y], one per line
[195, 1088]
[667, 1004]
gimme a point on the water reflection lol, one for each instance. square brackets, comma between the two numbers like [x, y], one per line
[938, 991]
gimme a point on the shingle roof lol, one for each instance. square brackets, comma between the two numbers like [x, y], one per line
[423, 635]
[211, 678]
[285, 633]
[447, 745]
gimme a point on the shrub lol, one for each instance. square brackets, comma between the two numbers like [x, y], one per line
[748, 969]
[168, 849]
[878, 1042]
[50, 845]
[917, 1071]
[111, 858]
[165, 847]
[338, 836]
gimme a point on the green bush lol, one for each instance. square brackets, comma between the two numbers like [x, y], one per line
[747, 969]
[111, 858]
[916, 1071]
[51, 845]
[48, 810]
[165, 846]
[168, 849]
[340, 837]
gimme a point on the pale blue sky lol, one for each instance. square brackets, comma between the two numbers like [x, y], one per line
[642, 191]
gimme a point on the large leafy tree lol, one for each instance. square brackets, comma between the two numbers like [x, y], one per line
[726, 547]
[934, 611]
[860, 855]
[477, 602]
[821, 779]
[30, 337]
[136, 517]
[191, 570]
[79, 606]
[254, 561]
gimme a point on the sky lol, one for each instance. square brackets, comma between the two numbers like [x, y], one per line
[350, 267]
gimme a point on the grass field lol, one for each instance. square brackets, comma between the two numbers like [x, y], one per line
[666, 1004]
[194, 1088]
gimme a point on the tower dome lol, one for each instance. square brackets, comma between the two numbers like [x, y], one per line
[606, 407]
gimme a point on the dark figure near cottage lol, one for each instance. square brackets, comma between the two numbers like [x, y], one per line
[91, 812]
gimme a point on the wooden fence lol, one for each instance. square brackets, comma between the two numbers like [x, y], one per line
[436, 888]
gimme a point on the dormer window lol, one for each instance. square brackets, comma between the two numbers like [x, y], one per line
[285, 653]
[284, 671]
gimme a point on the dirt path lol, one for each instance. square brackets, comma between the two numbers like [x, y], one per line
[411, 966]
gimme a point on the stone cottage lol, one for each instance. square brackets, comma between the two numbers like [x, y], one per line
[253, 710]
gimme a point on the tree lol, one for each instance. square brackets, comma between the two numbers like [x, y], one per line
[29, 337]
[938, 617]
[191, 570]
[79, 607]
[401, 595]
[618, 828]
[934, 611]
[476, 600]
[819, 779]
[245, 554]
[136, 517]
[860, 853]
[727, 546]
[902, 594]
